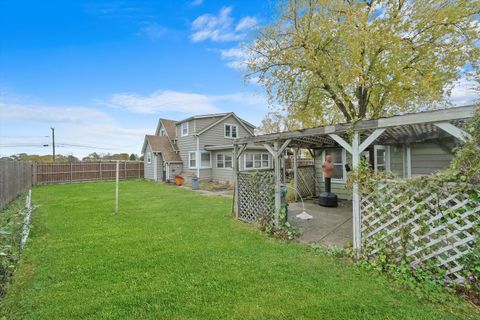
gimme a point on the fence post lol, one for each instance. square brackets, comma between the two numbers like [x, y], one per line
[125, 169]
[71, 171]
[139, 170]
[116, 187]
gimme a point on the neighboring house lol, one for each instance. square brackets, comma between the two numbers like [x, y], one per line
[200, 146]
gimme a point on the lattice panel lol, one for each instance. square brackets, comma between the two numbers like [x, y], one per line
[420, 224]
[306, 181]
[256, 193]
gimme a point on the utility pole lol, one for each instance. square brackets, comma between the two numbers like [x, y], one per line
[53, 143]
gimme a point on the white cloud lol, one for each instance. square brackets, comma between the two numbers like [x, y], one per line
[246, 24]
[51, 115]
[236, 58]
[185, 103]
[221, 27]
[153, 31]
[463, 92]
[163, 101]
[78, 130]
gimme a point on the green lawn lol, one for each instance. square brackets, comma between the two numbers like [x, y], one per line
[174, 254]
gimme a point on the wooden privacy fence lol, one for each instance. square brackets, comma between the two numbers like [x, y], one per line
[86, 171]
[15, 178]
[421, 225]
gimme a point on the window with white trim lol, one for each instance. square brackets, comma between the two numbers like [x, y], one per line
[192, 159]
[162, 132]
[339, 159]
[224, 160]
[184, 129]
[149, 157]
[205, 159]
[257, 161]
[231, 131]
[381, 158]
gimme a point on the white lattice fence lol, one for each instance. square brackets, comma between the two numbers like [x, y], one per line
[256, 192]
[421, 225]
[306, 181]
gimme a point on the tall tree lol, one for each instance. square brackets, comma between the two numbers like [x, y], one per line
[350, 59]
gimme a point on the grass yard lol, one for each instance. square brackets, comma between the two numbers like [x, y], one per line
[174, 254]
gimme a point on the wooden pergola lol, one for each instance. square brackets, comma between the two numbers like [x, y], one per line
[408, 128]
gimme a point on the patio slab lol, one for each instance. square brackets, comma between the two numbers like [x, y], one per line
[328, 226]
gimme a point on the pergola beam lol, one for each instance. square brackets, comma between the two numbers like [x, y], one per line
[454, 131]
[341, 142]
[371, 138]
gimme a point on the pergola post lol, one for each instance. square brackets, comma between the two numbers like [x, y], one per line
[276, 161]
[237, 152]
[276, 153]
[357, 241]
[355, 149]
[295, 172]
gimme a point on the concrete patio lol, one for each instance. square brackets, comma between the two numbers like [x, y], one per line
[328, 226]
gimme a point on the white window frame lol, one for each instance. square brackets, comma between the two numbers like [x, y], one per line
[162, 132]
[149, 157]
[231, 130]
[184, 127]
[387, 156]
[224, 161]
[344, 161]
[200, 159]
[261, 160]
[190, 158]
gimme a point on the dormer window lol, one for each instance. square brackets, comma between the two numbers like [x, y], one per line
[184, 129]
[231, 131]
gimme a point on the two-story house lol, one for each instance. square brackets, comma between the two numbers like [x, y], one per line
[200, 146]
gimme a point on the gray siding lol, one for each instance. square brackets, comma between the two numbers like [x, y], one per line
[221, 174]
[212, 137]
[186, 144]
[428, 158]
[159, 160]
[397, 156]
[216, 135]
[148, 167]
[175, 169]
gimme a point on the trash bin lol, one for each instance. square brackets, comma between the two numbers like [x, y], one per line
[195, 183]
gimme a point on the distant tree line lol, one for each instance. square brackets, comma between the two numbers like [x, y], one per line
[70, 158]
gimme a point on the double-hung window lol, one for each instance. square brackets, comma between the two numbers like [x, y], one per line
[205, 159]
[192, 159]
[257, 160]
[381, 158]
[339, 159]
[149, 157]
[224, 160]
[231, 131]
[184, 129]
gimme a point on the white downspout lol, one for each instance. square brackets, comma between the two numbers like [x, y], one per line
[199, 158]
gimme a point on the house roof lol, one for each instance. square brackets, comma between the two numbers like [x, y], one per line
[169, 126]
[217, 115]
[228, 115]
[406, 128]
[161, 144]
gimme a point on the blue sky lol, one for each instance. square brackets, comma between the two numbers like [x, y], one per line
[103, 72]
